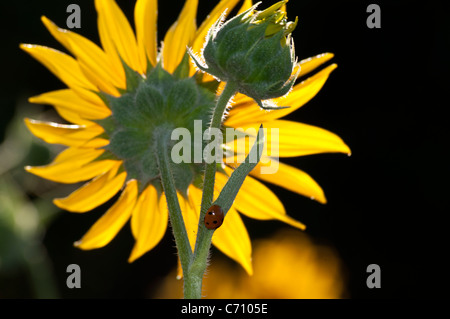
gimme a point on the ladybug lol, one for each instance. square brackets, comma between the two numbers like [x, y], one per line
[214, 217]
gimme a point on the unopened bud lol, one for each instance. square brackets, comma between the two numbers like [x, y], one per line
[255, 51]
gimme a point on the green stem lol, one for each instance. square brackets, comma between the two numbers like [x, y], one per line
[210, 169]
[176, 218]
[193, 280]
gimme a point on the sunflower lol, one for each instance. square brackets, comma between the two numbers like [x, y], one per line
[108, 144]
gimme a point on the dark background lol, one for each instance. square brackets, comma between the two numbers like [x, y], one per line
[387, 203]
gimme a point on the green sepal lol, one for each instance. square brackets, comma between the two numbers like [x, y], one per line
[182, 70]
[125, 112]
[148, 103]
[106, 155]
[149, 67]
[183, 92]
[199, 65]
[109, 124]
[145, 171]
[234, 183]
[106, 98]
[129, 143]
[160, 77]
[133, 78]
[104, 135]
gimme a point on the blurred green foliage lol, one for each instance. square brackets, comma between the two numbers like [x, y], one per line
[25, 270]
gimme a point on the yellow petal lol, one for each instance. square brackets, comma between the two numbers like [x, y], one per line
[296, 139]
[70, 104]
[100, 80]
[93, 61]
[73, 165]
[257, 201]
[245, 6]
[232, 239]
[107, 227]
[194, 203]
[191, 215]
[195, 197]
[200, 35]
[241, 100]
[145, 19]
[95, 193]
[118, 35]
[310, 64]
[96, 143]
[65, 68]
[248, 111]
[79, 156]
[291, 178]
[179, 269]
[60, 64]
[70, 116]
[108, 45]
[179, 36]
[307, 65]
[148, 223]
[69, 135]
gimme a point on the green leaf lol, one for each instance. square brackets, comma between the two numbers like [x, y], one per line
[234, 183]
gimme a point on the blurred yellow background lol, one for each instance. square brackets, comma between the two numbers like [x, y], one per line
[288, 265]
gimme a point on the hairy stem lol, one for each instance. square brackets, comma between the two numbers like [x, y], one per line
[193, 280]
[176, 218]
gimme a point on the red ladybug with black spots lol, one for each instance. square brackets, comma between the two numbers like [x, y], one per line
[214, 217]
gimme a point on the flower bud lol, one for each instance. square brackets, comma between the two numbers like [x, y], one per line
[255, 51]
